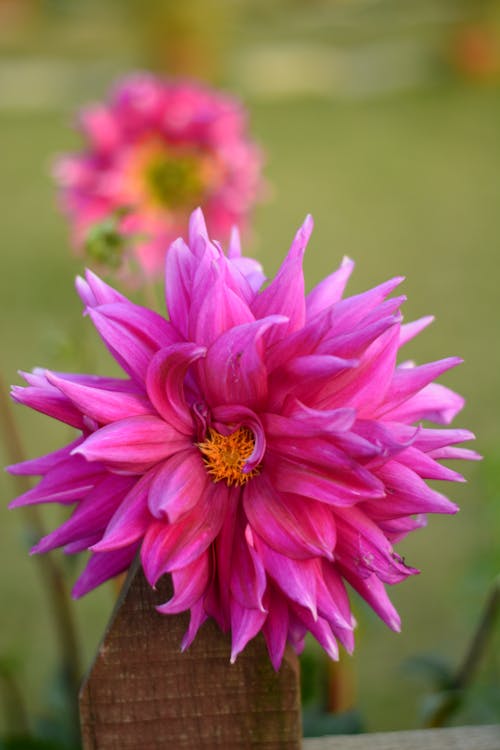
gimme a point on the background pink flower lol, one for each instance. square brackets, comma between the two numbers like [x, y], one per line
[154, 152]
[264, 448]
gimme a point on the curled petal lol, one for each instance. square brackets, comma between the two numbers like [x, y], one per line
[234, 371]
[165, 383]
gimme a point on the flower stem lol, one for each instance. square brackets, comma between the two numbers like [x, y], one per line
[51, 572]
[466, 671]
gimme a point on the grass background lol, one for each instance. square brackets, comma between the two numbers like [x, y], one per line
[405, 181]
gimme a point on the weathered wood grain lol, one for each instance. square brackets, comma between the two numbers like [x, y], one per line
[143, 694]
[457, 738]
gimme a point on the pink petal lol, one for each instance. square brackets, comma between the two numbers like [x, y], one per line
[131, 519]
[178, 485]
[407, 494]
[285, 294]
[408, 381]
[373, 592]
[67, 482]
[435, 403]
[275, 628]
[329, 290]
[245, 624]
[102, 405]
[94, 291]
[43, 464]
[190, 584]
[103, 566]
[233, 371]
[132, 334]
[134, 444]
[48, 400]
[197, 618]
[218, 309]
[167, 547]
[295, 578]
[288, 523]
[91, 515]
[180, 265]
[410, 330]
[297, 478]
[248, 577]
[165, 383]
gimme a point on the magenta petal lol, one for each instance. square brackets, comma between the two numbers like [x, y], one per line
[407, 381]
[180, 265]
[426, 467]
[132, 444]
[333, 601]
[91, 515]
[94, 291]
[295, 578]
[233, 371]
[220, 309]
[363, 546]
[196, 620]
[410, 330]
[408, 494]
[190, 584]
[42, 465]
[48, 400]
[167, 547]
[309, 481]
[165, 383]
[245, 624]
[178, 485]
[285, 294]
[132, 334]
[284, 523]
[275, 628]
[130, 520]
[330, 290]
[101, 567]
[248, 577]
[102, 405]
[364, 386]
[320, 629]
[67, 482]
[435, 403]
[373, 592]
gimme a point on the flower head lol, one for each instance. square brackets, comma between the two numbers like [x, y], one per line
[153, 153]
[264, 448]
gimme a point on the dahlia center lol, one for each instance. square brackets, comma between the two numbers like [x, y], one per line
[225, 456]
[174, 179]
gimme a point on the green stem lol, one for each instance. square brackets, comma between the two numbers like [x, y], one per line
[51, 572]
[467, 670]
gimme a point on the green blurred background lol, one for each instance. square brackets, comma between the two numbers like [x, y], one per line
[381, 118]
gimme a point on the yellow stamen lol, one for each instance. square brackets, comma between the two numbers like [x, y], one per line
[226, 455]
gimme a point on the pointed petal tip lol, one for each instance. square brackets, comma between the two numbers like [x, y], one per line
[395, 624]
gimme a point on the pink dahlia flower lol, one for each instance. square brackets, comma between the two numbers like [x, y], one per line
[157, 150]
[264, 448]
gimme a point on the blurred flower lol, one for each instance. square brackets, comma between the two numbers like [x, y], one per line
[261, 448]
[157, 150]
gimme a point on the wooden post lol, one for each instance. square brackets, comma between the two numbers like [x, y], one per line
[142, 692]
